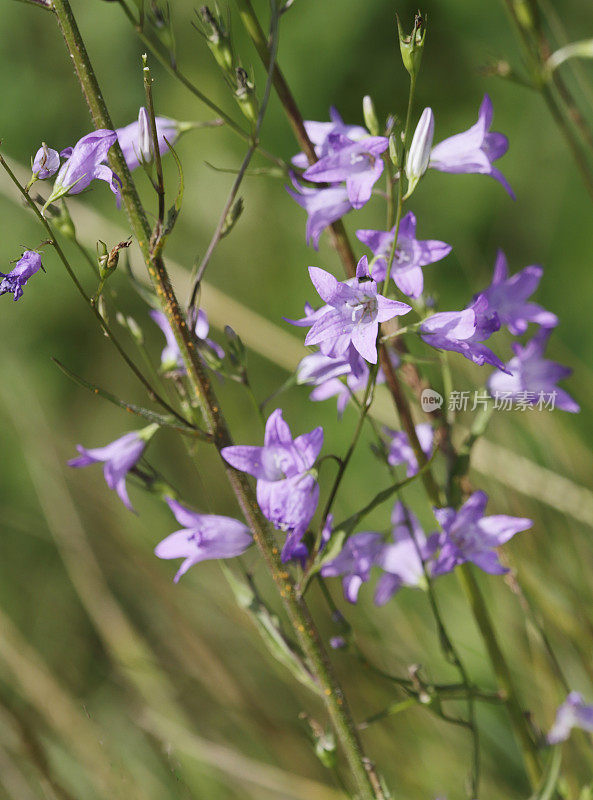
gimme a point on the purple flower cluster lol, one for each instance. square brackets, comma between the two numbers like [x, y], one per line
[465, 535]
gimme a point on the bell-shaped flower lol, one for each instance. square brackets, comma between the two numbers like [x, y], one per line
[532, 378]
[136, 142]
[203, 536]
[353, 313]
[473, 150]
[46, 163]
[358, 163]
[402, 558]
[287, 490]
[355, 561]
[464, 331]
[400, 449]
[467, 535]
[418, 155]
[323, 207]
[411, 254]
[171, 358]
[319, 134]
[85, 164]
[508, 297]
[27, 265]
[573, 713]
[119, 457]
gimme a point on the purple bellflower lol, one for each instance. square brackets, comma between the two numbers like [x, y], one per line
[171, 358]
[402, 558]
[573, 713]
[473, 150]
[410, 256]
[287, 490]
[46, 163]
[85, 164]
[354, 562]
[356, 162]
[203, 536]
[119, 457]
[135, 139]
[467, 535]
[533, 378]
[508, 297]
[352, 315]
[319, 134]
[323, 207]
[27, 265]
[400, 449]
[464, 331]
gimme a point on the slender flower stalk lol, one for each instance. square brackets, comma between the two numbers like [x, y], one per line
[297, 610]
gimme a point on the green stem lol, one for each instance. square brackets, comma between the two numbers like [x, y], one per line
[503, 675]
[295, 607]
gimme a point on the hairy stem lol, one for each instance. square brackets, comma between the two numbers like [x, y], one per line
[295, 607]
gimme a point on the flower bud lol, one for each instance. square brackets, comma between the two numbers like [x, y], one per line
[232, 217]
[370, 118]
[46, 162]
[411, 46]
[419, 153]
[217, 38]
[144, 137]
[245, 95]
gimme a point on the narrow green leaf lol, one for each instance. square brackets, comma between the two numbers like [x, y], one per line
[545, 790]
[165, 421]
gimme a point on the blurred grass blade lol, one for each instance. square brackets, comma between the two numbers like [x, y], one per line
[547, 788]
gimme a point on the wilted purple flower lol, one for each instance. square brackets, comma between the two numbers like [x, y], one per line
[353, 313]
[171, 358]
[508, 297]
[410, 254]
[119, 457]
[463, 332]
[27, 265]
[203, 536]
[85, 164]
[573, 713]
[467, 535]
[419, 153]
[402, 559]
[358, 163]
[323, 207]
[354, 562]
[400, 449]
[532, 377]
[136, 142]
[473, 150]
[46, 163]
[287, 491]
[319, 134]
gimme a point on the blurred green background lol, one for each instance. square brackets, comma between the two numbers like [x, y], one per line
[113, 681]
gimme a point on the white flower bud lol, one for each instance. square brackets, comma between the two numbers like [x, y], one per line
[419, 152]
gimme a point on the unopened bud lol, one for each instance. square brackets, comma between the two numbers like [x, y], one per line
[232, 217]
[394, 150]
[245, 95]
[411, 46]
[217, 38]
[419, 152]
[235, 348]
[370, 118]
